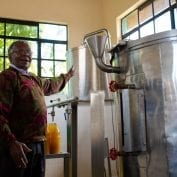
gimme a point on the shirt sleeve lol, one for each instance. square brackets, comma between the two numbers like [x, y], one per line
[54, 85]
[6, 101]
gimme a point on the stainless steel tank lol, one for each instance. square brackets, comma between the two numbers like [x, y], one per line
[88, 77]
[152, 67]
[148, 114]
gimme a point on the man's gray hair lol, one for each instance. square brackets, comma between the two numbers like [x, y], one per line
[13, 45]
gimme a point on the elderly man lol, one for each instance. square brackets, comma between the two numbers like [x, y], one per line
[23, 114]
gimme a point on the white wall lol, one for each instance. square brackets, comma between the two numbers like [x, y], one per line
[82, 16]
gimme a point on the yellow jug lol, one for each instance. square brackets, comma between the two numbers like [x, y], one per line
[53, 143]
[47, 141]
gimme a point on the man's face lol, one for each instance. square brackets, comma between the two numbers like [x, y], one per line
[21, 55]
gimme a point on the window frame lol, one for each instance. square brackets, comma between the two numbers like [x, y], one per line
[39, 41]
[152, 19]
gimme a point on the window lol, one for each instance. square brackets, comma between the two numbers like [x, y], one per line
[145, 13]
[151, 17]
[146, 29]
[130, 22]
[49, 43]
[160, 5]
[163, 23]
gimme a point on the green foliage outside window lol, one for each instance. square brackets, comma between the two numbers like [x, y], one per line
[19, 30]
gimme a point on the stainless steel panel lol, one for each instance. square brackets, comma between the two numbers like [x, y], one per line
[97, 133]
[169, 82]
[88, 77]
[133, 120]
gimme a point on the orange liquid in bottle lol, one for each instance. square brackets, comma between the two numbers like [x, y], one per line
[54, 139]
[47, 142]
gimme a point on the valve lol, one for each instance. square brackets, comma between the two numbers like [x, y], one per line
[113, 153]
[115, 85]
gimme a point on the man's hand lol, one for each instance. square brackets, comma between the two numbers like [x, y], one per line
[18, 152]
[69, 74]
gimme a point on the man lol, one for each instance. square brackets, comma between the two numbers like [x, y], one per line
[23, 114]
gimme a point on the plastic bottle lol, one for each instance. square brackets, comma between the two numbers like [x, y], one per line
[47, 142]
[54, 138]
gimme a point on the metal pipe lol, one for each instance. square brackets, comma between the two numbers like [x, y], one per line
[64, 103]
[108, 68]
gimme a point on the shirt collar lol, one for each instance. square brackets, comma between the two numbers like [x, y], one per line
[24, 72]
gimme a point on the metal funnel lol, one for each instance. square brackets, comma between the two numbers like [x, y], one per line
[97, 44]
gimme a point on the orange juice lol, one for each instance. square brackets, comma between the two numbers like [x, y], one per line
[53, 138]
[47, 142]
